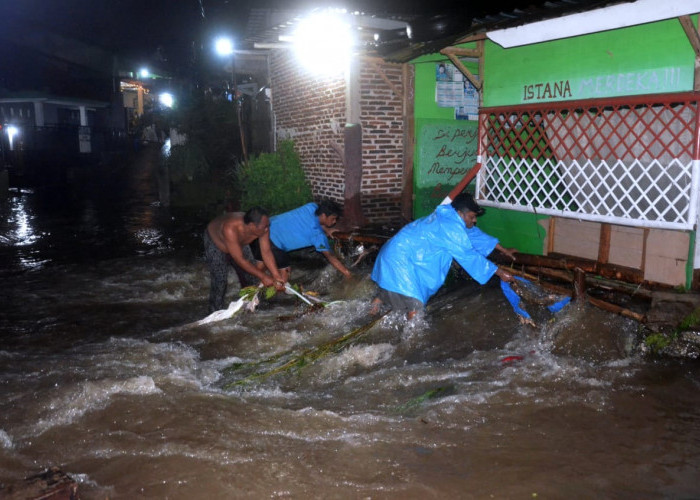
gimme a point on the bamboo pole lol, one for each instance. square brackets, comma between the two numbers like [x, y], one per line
[359, 238]
[607, 306]
[594, 281]
[601, 304]
[570, 263]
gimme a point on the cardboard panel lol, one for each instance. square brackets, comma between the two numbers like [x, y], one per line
[667, 257]
[576, 238]
[626, 246]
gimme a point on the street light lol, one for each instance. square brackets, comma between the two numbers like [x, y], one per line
[11, 131]
[224, 47]
[323, 41]
[166, 99]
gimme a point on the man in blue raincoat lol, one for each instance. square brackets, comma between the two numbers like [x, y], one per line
[413, 265]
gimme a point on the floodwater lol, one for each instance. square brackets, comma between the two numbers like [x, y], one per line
[101, 376]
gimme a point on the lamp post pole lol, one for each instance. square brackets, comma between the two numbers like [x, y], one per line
[237, 105]
[224, 47]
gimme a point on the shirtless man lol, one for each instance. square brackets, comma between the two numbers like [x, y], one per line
[224, 240]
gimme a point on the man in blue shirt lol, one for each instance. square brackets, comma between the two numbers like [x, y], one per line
[413, 264]
[306, 226]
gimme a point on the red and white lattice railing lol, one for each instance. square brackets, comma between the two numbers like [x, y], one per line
[631, 161]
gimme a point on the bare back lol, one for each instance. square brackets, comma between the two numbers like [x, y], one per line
[230, 234]
[228, 230]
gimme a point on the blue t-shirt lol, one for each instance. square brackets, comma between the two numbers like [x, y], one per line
[416, 260]
[298, 228]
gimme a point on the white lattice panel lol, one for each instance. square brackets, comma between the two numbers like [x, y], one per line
[629, 164]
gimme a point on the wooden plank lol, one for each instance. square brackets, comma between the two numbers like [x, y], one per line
[480, 48]
[463, 69]
[472, 38]
[462, 52]
[644, 249]
[570, 263]
[601, 304]
[604, 244]
[380, 71]
[691, 32]
[694, 38]
[409, 138]
[550, 235]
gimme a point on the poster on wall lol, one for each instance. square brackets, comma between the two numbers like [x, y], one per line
[446, 151]
[453, 90]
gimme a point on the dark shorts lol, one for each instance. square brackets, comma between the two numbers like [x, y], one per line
[219, 263]
[281, 257]
[398, 302]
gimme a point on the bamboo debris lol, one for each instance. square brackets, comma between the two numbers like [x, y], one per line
[570, 263]
[359, 238]
[417, 402]
[601, 304]
[607, 306]
[301, 360]
[548, 286]
[594, 281]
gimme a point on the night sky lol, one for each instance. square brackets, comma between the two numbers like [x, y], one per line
[160, 32]
[139, 27]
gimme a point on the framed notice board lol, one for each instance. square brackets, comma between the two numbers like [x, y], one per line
[445, 151]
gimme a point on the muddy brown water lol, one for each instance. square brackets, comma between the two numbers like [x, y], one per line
[99, 376]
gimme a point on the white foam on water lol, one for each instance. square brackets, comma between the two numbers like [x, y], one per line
[85, 479]
[365, 356]
[311, 435]
[216, 454]
[150, 281]
[263, 392]
[5, 440]
[90, 396]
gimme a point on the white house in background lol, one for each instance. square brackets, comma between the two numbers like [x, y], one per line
[36, 121]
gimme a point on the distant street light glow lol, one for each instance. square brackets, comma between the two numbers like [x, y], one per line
[12, 131]
[323, 42]
[144, 73]
[223, 46]
[166, 99]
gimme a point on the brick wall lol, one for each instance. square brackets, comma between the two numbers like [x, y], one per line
[311, 110]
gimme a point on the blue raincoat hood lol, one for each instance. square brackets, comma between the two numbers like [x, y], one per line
[416, 260]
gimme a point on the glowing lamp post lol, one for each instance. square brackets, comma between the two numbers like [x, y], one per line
[324, 44]
[224, 47]
[12, 131]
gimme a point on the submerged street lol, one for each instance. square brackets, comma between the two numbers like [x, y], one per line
[101, 376]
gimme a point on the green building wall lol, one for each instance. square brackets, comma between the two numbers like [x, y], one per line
[646, 59]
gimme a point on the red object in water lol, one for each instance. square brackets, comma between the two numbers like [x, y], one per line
[510, 359]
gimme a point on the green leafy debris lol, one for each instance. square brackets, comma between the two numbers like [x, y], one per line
[413, 404]
[657, 342]
[292, 362]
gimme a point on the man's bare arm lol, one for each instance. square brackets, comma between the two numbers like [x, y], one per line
[235, 249]
[510, 252]
[335, 262]
[269, 259]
